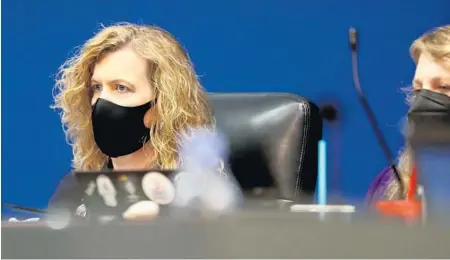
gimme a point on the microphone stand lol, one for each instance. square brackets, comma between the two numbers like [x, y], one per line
[353, 40]
[410, 209]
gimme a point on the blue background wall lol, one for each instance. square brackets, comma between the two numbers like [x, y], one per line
[288, 46]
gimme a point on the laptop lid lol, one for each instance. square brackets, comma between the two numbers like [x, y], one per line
[111, 193]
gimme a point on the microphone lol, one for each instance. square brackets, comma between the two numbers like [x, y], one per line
[353, 41]
[329, 113]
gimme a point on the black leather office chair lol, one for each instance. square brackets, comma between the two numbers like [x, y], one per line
[273, 140]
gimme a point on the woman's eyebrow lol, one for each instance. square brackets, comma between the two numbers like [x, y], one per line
[115, 81]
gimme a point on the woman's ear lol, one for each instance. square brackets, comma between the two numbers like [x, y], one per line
[150, 116]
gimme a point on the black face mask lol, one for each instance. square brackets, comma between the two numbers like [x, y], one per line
[429, 116]
[119, 130]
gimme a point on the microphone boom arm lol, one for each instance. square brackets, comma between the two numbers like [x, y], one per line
[369, 112]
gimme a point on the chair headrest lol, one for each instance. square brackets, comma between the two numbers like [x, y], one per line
[273, 140]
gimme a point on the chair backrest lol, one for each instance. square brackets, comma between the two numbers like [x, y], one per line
[273, 140]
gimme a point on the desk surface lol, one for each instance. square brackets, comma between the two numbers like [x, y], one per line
[242, 236]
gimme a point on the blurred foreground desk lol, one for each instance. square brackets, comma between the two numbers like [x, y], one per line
[268, 236]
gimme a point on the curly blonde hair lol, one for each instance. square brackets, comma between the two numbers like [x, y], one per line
[437, 44]
[182, 102]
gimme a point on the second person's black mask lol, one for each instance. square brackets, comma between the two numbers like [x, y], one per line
[429, 116]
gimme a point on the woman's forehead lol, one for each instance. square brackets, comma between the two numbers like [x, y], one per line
[123, 63]
[429, 68]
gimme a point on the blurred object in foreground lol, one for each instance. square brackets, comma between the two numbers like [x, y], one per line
[58, 218]
[429, 137]
[205, 178]
[203, 147]
[433, 165]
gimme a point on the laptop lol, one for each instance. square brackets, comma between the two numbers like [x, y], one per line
[109, 194]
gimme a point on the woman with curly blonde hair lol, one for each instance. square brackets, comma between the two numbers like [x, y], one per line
[431, 53]
[131, 70]
[125, 97]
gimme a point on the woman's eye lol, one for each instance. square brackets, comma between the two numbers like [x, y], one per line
[96, 87]
[122, 88]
